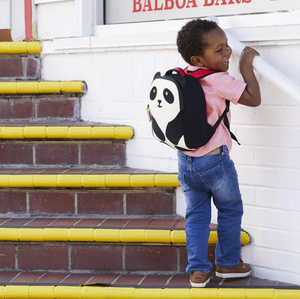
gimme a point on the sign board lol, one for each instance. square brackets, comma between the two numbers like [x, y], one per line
[126, 11]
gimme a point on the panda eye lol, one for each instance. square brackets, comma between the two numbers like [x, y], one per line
[168, 95]
[153, 93]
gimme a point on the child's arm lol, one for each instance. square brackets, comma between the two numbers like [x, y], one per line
[251, 95]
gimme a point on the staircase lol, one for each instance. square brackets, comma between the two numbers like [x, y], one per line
[75, 222]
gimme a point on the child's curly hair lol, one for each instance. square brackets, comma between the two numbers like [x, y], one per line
[191, 38]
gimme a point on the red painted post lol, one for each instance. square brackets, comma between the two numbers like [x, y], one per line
[28, 19]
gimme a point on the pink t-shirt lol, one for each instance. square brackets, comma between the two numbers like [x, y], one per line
[217, 88]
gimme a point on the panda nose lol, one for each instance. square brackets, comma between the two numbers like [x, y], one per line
[159, 101]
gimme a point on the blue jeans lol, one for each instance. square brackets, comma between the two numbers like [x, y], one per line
[201, 179]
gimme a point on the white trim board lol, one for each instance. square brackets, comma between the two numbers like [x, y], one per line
[37, 2]
[266, 30]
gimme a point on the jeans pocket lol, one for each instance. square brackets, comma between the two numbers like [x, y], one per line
[184, 186]
[215, 178]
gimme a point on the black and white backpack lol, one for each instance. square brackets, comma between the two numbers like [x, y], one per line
[177, 110]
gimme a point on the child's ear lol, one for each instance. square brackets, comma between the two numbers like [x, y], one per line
[196, 61]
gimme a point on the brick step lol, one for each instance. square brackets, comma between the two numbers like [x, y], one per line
[40, 108]
[20, 60]
[54, 145]
[159, 231]
[15, 284]
[66, 244]
[86, 257]
[20, 67]
[16, 153]
[88, 203]
[85, 178]
[92, 257]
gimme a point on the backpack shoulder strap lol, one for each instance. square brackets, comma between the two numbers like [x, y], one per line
[200, 73]
[226, 121]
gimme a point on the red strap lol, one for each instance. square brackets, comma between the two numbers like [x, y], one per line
[181, 71]
[177, 70]
[199, 73]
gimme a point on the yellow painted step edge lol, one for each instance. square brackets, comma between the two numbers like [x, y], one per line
[90, 292]
[103, 235]
[20, 47]
[87, 180]
[66, 132]
[41, 87]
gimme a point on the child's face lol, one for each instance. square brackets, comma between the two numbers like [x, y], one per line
[216, 55]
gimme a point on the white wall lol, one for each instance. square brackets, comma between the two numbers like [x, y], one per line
[55, 19]
[118, 66]
[17, 20]
[5, 14]
[12, 17]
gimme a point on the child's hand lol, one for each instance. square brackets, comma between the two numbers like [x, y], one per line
[248, 55]
[251, 95]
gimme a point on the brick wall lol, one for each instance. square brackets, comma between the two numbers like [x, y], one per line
[84, 204]
[93, 257]
[14, 67]
[119, 72]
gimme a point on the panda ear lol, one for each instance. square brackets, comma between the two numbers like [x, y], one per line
[158, 74]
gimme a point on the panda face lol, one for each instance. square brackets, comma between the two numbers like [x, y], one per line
[164, 101]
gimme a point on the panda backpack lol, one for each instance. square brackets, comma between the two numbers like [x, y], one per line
[177, 110]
